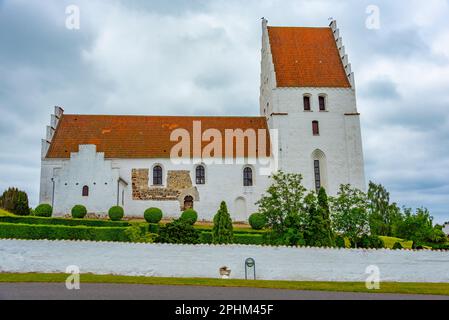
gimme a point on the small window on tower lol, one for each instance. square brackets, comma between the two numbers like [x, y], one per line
[306, 103]
[315, 128]
[316, 169]
[322, 102]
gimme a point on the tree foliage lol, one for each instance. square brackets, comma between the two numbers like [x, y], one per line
[319, 231]
[298, 217]
[419, 227]
[15, 201]
[383, 216]
[349, 213]
[285, 208]
[222, 231]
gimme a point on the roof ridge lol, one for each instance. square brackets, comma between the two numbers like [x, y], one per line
[160, 116]
[300, 27]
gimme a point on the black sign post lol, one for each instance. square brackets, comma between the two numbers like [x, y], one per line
[250, 263]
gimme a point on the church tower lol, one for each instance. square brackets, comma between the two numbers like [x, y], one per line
[307, 93]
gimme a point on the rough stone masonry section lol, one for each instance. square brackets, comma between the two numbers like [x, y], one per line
[204, 261]
[177, 182]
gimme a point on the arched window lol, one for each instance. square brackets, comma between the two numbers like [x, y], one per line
[85, 191]
[315, 128]
[306, 101]
[247, 177]
[319, 170]
[316, 168]
[157, 176]
[322, 103]
[200, 175]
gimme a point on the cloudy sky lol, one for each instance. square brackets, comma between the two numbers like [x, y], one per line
[203, 58]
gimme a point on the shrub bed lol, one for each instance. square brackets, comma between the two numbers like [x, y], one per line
[153, 228]
[178, 231]
[63, 222]
[58, 232]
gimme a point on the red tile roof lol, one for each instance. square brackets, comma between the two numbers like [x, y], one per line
[306, 57]
[137, 136]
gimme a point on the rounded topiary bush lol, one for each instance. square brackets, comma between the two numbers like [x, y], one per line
[79, 212]
[116, 213]
[189, 216]
[153, 215]
[43, 210]
[257, 221]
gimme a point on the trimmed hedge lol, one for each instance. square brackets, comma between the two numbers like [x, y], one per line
[239, 231]
[249, 239]
[116, 213]
[43, 210]
[55, 232]
[63, 221]
[153, 215]
[79, 212]
[206, 237]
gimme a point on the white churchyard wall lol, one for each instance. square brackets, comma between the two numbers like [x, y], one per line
[272, 263]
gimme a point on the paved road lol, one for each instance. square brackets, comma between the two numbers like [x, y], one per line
[97, 291]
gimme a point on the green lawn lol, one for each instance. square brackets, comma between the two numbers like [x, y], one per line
[385, 287]
[390, 241]
[5, 213]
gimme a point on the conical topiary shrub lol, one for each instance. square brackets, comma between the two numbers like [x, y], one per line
[222, 232]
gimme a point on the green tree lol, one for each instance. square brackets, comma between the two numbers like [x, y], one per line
[15, 201]
[284, 206]
[222, 232]
[319, 231]
[382, 215]
[349, 213]
[419, 227]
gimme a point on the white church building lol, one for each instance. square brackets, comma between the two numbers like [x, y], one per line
[307, 106]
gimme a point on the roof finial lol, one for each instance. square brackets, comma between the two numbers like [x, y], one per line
[264, 23]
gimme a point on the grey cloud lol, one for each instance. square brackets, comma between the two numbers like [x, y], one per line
[380, 89]
[202, 57]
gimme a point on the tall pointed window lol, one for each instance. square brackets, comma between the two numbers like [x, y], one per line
[322, 103]
[200, 175]
[306, 100]
[247, 177]
[316, 167]
[85, 191]
[157, 176]
[315, 128]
